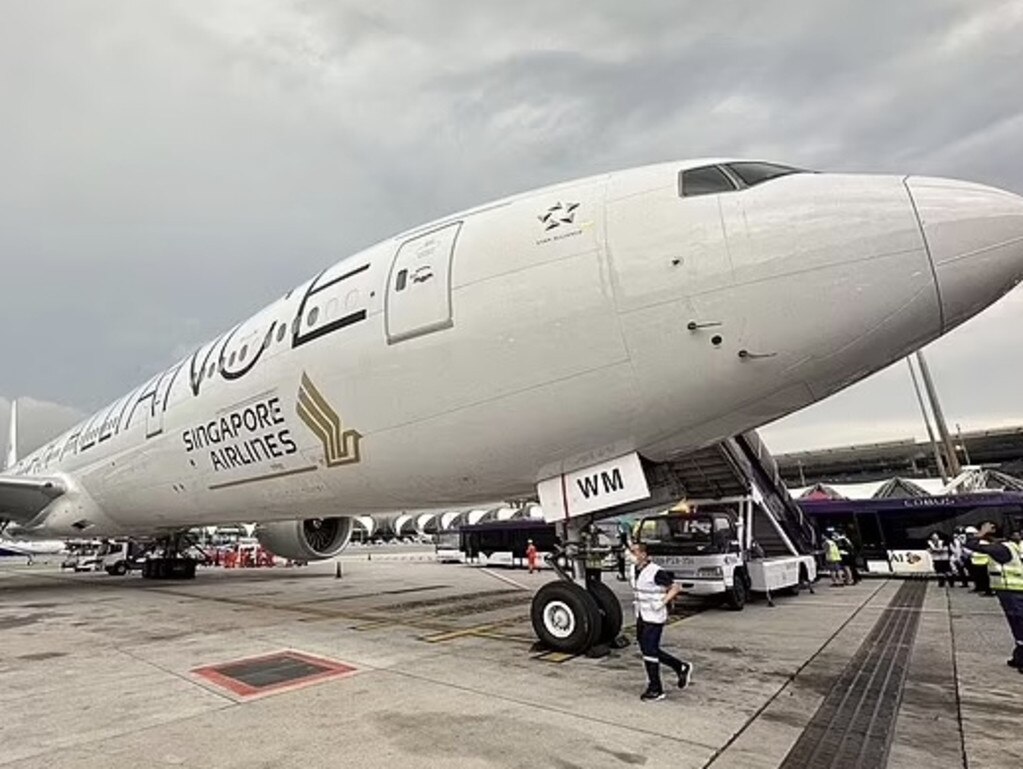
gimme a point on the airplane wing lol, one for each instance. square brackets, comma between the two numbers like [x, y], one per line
[22, 498]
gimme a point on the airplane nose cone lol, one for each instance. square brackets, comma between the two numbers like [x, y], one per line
[974, 236]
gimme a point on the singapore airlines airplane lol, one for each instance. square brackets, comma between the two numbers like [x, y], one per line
[595, 329]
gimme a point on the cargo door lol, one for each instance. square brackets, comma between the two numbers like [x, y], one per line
[419, 287]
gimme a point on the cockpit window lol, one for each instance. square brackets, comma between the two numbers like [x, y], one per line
[708, 180]
[755, 173]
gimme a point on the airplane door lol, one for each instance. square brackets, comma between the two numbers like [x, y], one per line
[419, 286]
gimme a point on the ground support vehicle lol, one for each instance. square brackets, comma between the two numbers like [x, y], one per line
[710, 548]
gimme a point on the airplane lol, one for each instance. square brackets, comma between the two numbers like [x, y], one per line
[566, 343]
[28, 548]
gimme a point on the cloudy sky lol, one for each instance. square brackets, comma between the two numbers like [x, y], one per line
[167, 168]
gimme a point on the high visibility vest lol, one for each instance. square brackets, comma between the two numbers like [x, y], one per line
[649, 596]
[1007, 576]
[832, 553]
[980, 559]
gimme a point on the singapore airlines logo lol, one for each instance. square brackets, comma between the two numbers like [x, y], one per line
[340, 446]
[557, 215]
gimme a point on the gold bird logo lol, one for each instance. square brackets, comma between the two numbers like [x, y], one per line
[340, 446]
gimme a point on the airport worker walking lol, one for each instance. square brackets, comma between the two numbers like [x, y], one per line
[1006, 572]
[941, 558]
[654, 588]
[532, 557]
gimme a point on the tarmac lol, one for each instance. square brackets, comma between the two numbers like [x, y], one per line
[433, 665]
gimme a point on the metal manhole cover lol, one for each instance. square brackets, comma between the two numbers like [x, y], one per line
[272, 673]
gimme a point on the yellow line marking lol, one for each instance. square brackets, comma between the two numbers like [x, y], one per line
[438, 637]
[556, 656]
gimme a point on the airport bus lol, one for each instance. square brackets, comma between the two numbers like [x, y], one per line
[447, 546]
[495, 542]
[891, 534]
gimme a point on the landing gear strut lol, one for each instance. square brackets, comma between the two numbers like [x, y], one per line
[578, 613]
[170, 559]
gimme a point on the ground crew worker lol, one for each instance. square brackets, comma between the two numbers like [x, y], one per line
[532, 557]
[623, 546]
[940, 558]
[1006, 572]
[979, 561]
[833, 557]
[848, 553]
[654, 588]
[959, 557]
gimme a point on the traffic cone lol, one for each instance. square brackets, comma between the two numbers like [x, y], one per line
[337, 570]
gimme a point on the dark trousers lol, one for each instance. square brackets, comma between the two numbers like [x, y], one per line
[648, 634]
[981, 580]
[1012, 605]
[944, 571]
[849, 561]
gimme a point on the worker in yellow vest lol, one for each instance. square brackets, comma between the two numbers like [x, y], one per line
[1005, 567]
[833, 557]
[979, 561]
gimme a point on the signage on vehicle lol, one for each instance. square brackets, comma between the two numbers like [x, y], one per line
[910, 561]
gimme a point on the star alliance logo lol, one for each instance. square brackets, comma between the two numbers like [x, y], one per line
[340, 446]
[557, 215]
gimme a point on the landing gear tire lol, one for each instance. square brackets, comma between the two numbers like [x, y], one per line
[610, 612]
[566, 617]
[735, 599]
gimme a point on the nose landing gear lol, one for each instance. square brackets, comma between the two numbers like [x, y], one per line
[577, 614]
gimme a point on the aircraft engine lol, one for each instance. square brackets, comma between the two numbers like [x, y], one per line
[308, 539]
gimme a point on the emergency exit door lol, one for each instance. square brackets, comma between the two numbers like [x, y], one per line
[419, 288]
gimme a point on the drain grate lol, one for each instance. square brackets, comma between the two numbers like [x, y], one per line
[272, 673]
[853, 726]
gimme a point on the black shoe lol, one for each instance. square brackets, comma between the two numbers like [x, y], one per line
[649, 696]
[1012, 663]
[685, 674]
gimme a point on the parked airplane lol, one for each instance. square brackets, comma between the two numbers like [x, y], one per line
[30, 548]
[566, 342]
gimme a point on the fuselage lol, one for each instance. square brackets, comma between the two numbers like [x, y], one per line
[468, 359]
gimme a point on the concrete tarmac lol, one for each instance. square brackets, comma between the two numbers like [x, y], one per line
[99, 671]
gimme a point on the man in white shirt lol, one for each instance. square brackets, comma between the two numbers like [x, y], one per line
[654, 590]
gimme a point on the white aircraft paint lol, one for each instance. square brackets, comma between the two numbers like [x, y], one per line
[471, 358]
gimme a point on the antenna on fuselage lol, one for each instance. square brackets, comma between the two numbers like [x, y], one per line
[12, 437]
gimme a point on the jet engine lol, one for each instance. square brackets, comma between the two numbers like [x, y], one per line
[308, 539]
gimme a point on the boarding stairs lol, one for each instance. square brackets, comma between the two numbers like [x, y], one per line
[742, 466]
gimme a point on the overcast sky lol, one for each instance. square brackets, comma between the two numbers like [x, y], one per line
[167, 168]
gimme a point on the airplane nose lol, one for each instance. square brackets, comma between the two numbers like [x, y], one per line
[974, 236]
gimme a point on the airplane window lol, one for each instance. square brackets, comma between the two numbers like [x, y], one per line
[212, 371]
[708, 180]
[755, 173]
[244, 352]
[281, 331]
[313, 315]
[230, 361]
[401, 280]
